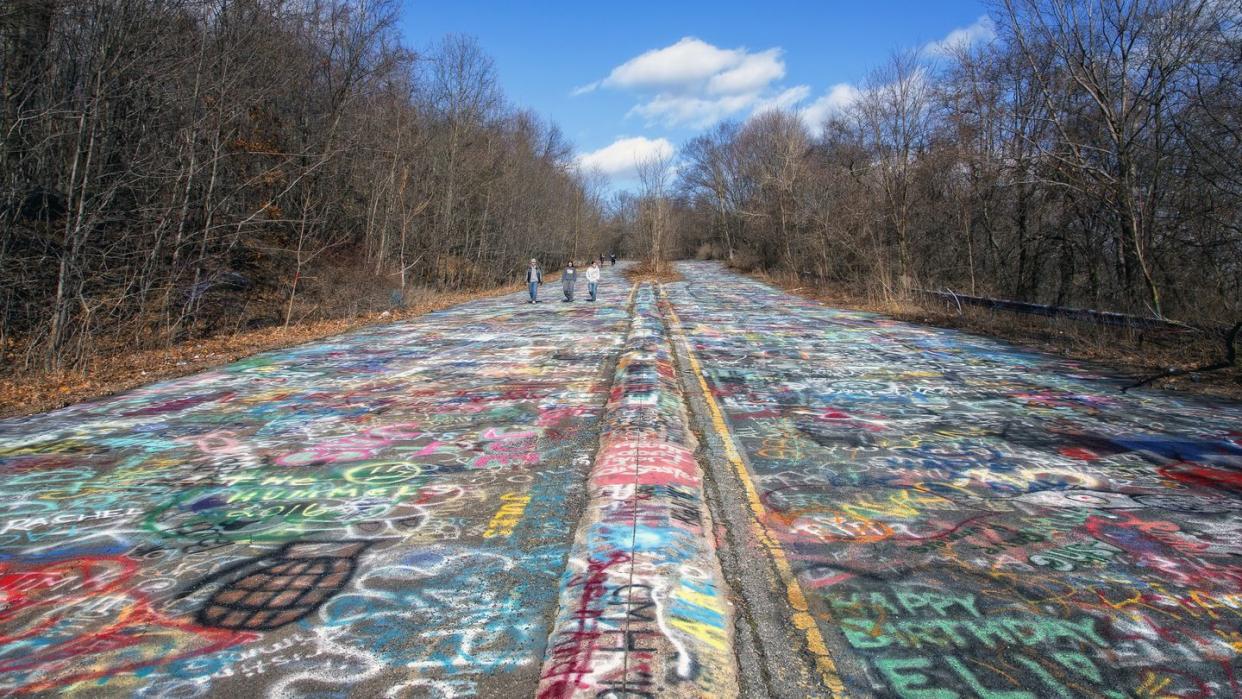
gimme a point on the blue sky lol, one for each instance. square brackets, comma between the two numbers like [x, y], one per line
[628, 79]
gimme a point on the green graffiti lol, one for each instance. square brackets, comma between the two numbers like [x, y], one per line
[912, 678]
[911, 685]
[912, 601]
[973, 682]
[946, 633]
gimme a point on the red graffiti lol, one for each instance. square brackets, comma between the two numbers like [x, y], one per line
[1204, 476]
[82, 620]
[572, 650]
[632, 462]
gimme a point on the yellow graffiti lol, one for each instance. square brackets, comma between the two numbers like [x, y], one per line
[508, 516]
[383, 473]
[899, 504]
[711, 635]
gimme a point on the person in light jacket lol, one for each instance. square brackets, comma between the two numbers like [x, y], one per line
[592, 277]
[534, 278]
[568, 278]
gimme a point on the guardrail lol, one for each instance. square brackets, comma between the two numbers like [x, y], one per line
[1081, 314]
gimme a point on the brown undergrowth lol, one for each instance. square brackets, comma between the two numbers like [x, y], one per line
[1135, 354]
[116, 370]
[646, 272]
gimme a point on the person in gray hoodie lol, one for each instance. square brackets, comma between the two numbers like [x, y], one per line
[568, 278]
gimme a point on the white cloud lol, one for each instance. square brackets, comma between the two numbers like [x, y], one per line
[785, 100]
[981, 31]
[620, 158]
[684, 64]
[753, 73]
[693, 83]
[838, 98]
[688, 110]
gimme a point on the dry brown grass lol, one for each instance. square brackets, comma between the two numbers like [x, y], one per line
[24, 393]
[646, 272]
[1132, 353]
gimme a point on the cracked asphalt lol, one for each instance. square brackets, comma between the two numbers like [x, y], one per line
[962, 517]
[699, 488]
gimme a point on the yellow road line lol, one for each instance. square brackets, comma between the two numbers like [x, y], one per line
[801, 617]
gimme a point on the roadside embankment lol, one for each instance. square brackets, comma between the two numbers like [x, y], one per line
[115, 367]
[1132, 353]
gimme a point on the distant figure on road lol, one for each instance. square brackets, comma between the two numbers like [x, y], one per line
[601, 259]
[613, 257]
[592, 276]
[534, 279]
[568, 278]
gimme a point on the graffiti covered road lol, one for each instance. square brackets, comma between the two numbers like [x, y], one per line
[386, 513]
[963, 519]
[507, 500]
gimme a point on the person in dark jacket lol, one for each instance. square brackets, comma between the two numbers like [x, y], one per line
[534, 279]
[568, 278]
[613, 257]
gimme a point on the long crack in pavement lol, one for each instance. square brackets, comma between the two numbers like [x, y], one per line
[967, 519]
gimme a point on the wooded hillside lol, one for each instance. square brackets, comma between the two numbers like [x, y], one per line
[177, 168]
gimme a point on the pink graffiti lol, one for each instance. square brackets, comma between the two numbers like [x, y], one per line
[645, 464]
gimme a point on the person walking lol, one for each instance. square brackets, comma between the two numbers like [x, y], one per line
[568, 278]
[534, 279]
[613, 257]
[592, 277]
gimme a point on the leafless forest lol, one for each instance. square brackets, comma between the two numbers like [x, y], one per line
[174, 168]
[1091, 155]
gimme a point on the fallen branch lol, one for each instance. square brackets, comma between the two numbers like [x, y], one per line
[1231, 359]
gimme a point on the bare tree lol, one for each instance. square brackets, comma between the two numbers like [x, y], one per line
[894, 115]
[1087, 156]
[1123, 62]
[655, 177]
[712, 169]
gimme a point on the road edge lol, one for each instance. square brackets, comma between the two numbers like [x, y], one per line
[772, 602]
